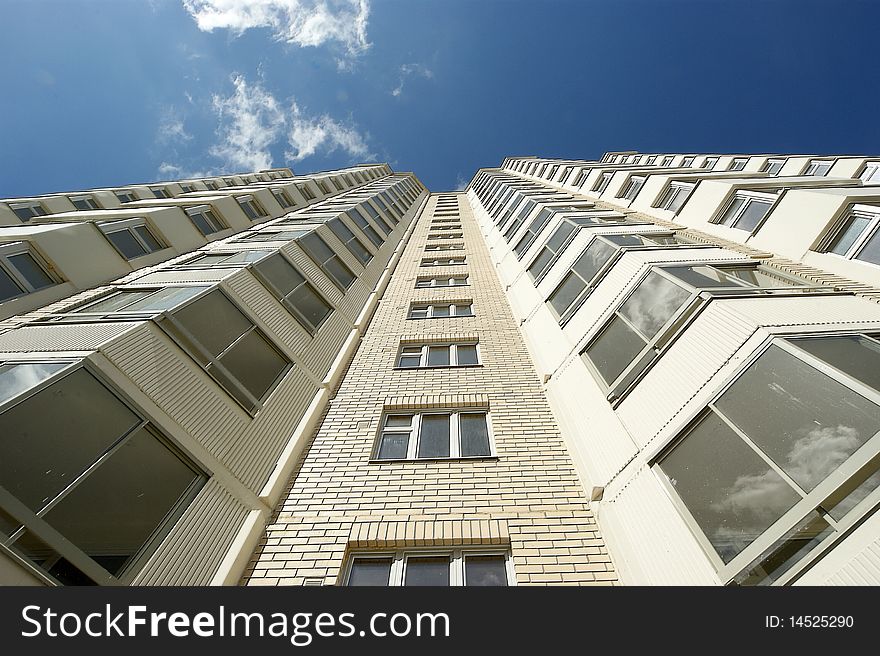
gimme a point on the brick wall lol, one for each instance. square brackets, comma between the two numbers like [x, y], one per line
[527, 497]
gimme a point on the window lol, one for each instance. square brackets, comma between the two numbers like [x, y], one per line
[283, 198]
[576, 284]
[365, 227]
[773, 166]
[328, 261]
[132, 238]
[746, 210]
[858, 236]
[352, 243]
[27, 211]
[444, 247]
[229, 347]
[88, 488]
[125, 196]
[271, 235]
[221, 259]
[451, 235]
[818, 168]
[323, 187]
[449, 434]
[602, 185]
[675, 196]
[21, 271]
[687, 162]
[85, 203]
[646, 322]
[459, 354]
[871, 174]
[204, 219]
[441, 310]
[251, 207]
[651, 160]
[551, 250]
[581, 178]
[210, 184]
[454, 226]
[710, 162]
[139, 302]
[452, 281]
[384, 226]
[784, 459]
[534, 228]
[295, 293]
[633, 188]
[160, 192]
[442, 261]
[187, 188]
[667, 161]
[306, 191]
[738, 164]
[473, 566]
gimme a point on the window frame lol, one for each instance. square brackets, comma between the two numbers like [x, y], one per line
[291, 308]
[738, 164]
[206, 212]
[424, 348]
[854, 211]
[33, 521]
[434, 279]
[415, 427]
[634, 186]
[457, 559]
[443, 261]
[770, 164]
[31, 205]
[748, 197]
[671, 194]
[870, 174]
[11, 249]
[867, 456]
[129, 225]
[815, 165]
[428, 307]
[249, 204]
[87, 199]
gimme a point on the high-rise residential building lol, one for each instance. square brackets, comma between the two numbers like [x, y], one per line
[656, 368]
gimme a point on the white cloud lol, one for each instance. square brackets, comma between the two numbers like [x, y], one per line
[171, 129]
[460, 182]
[299, 22]
[407, 70]
[306, 135]
[251, 120]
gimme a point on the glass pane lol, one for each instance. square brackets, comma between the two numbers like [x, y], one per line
[438, 356]
[859, 486]
[464, 310]
[126, 243]
[339, 272]
[703, 276]
[787, 551]
[399, 421]
[614, 349]
[17, 378]
[731, 210]
[31, 271]
[733, 495]
[485, 571]
[752, 215]
[410, 361]
[201, 223]
[115, 302]
[312, 308]
[871, 250]
[278, 271]
[848, 234]
[8, 525]
[434, 437]
[214, 321]
[254, 363]
[653, 303]
[393, 446]
[440, 311]
[8, 287]
[806, 421]
[116, 509]
[679, 199]
[467, 354]
[164, 299]
[370, 571]
[565, 294]
[593, 259]
[856, 355]
[50, 438]
[474, 434]
[540, 263]
[42, 555]
[148, 238]
[209, 260]
[427, 570]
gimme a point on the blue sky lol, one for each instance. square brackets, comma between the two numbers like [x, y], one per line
[110, 92]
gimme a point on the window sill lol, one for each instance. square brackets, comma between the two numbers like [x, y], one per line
[440, 366]
[378, 461]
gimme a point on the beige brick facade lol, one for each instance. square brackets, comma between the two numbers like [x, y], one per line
[527, 496]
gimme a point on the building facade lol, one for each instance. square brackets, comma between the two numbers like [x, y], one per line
[646, 369]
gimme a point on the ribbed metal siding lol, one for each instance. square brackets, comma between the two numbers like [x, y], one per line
[648, 531]
[248, 447]
[183, 276]
[807, 310]
[192, 552]
[29, 339]
[597, 441]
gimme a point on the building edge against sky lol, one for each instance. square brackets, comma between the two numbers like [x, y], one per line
[649, 369]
